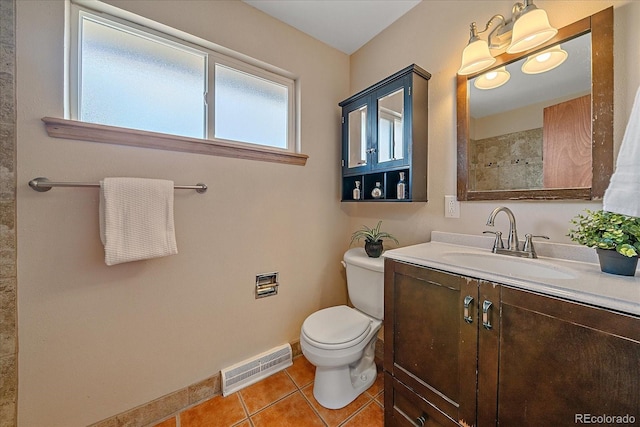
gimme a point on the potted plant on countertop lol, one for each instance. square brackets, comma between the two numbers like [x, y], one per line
[616, 238]
[373, 239]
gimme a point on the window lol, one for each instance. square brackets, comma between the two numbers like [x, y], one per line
[136, 77]
[130, 79]
[242, 98]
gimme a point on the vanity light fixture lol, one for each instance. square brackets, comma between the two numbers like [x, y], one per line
[476, 56]
[492, 79]
[528, 27]
[545, 61]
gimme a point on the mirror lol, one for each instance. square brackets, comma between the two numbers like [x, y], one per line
[358, 137]
[514, 126]
[541, 136]
[390, 126]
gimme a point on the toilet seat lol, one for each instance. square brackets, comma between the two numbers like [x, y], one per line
[336, 328]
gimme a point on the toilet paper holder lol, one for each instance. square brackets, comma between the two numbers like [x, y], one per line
[266, 284]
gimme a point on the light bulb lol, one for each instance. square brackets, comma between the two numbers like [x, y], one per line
[492, 79]
[544, 61]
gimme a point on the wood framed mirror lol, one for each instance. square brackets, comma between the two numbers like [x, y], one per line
[564, 149]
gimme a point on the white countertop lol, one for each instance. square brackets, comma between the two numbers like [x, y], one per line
[578, 274]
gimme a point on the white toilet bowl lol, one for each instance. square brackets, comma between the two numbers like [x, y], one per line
[340, 341]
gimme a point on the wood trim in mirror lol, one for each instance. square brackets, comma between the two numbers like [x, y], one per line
[601, 27]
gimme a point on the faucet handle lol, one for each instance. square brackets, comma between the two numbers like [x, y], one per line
[498, 243]
[528, 243]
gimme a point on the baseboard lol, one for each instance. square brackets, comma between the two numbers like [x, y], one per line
[148, 414]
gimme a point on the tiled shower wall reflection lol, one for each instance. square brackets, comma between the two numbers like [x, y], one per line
[507, 162]
[8, 282]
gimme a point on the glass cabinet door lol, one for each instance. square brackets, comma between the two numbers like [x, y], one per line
[357, 137]
[376, 129]
[391, 126]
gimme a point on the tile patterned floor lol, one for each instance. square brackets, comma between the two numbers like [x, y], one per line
[284, 399]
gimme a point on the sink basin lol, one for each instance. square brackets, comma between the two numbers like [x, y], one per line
[508, 266]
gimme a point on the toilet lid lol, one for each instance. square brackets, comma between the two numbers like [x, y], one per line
[337, 325]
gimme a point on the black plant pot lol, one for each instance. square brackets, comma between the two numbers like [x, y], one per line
[373, 249]
[613, 262]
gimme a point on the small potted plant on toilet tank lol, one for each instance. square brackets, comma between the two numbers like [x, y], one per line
[372, 239]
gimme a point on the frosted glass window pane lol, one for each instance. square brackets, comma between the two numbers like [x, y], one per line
[249, 108]
[137, 82]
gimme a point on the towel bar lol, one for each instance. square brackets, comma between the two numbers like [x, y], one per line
[42, 184]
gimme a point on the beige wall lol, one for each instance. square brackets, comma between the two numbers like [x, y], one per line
[525, 118]
[433, 35]
[97, 340]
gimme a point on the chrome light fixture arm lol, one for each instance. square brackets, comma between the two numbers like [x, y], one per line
[474, 33]
[505, 26]
[500, 37]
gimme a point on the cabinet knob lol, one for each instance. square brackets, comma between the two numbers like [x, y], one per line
[421, 420]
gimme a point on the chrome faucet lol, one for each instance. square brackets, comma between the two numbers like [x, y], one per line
[512, 244]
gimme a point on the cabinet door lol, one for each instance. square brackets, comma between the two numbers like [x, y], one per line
[392, 125]
[429, 347]
[561, 361]
[357, 118]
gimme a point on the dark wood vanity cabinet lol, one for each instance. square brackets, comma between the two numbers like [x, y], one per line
[384, 135]
[462, 351]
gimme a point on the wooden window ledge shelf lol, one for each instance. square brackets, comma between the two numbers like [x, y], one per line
[72, 129]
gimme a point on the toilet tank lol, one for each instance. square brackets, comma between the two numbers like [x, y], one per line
[365, 282]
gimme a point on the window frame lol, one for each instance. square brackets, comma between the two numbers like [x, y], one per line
[74, 129]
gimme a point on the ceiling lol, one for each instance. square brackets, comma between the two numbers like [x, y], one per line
[347, 25]
[343, 24]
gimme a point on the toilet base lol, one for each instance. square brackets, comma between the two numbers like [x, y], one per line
[336, 387]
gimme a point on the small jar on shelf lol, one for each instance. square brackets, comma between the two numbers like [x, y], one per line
[377, 192]
[401, 188]
[356, 191]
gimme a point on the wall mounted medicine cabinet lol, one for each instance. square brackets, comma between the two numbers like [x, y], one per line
[384, 140]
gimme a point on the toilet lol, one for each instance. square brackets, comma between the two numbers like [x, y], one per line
[340, 341]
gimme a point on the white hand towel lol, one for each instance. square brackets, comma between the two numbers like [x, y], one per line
[136, 219]
[623, 194]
